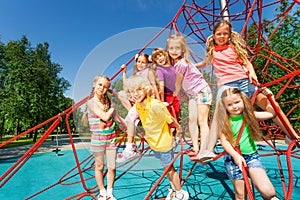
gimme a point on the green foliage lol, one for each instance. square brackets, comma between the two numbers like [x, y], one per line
[279, 57]
[31, 90]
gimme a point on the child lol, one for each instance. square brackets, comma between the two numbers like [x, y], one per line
[102, 125]
[166, 80]
[141, 67]
[233, 108]
[226, 50]
[193, 83]
[156, 119]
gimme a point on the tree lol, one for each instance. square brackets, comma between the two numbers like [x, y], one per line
[282, 49]
[31, 89]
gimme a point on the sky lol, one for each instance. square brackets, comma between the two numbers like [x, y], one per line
[75, 28]
[88, 37]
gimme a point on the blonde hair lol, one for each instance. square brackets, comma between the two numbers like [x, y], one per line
[184, 46]
[135, 69]
[238, 43]
[137, 82]
[105, 100]
[223, 117]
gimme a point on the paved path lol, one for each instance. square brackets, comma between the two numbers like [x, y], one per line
[63, 143]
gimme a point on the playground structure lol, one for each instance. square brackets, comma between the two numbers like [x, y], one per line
[195, 21]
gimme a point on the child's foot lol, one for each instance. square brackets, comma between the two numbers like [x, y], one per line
[206, 156]
[111, 197]
[171, 194]
[289, 140]
[125, 155]
[191, 153]
[183, 196]
[101, 197]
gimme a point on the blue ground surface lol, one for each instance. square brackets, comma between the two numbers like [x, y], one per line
[205, 182]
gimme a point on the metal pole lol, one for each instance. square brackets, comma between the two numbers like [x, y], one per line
[224, 10]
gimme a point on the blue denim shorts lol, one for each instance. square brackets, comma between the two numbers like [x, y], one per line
[164, 157]
[234, 172]
[243, 85]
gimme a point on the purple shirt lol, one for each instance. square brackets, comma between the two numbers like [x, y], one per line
[168, 76]
[193, 81]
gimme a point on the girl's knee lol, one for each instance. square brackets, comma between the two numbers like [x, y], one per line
[99, 167]
[111, 169]
[111, 166]
[269, 193]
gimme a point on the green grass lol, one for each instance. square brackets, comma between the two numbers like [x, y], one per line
[20, 142]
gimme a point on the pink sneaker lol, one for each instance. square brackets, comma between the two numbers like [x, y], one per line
[125, 155]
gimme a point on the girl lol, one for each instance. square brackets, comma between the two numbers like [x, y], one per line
[100, 118]
[166, 80]
[156, 121]
[141, 67]
[233, 108]
[226, 50]
[193, 83]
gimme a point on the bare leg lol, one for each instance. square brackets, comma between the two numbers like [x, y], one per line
[125, 102]
[174, 178]
[193, 125]
[213, 136]
[111, 166]
[239, 189]
[263, 103]
[99, 165]
[262, 183]
[203, 111]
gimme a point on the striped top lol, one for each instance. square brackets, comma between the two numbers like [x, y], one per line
[103, 133]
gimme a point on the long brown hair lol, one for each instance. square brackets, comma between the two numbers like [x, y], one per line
[223, 117]
[238, 43]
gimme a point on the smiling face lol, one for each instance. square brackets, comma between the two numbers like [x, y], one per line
[141, 63]
[160, 59]
[175, 49]
[221, 35]
[138, 94]
[234, 104]
[101, 86]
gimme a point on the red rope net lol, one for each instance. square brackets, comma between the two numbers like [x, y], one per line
[195, 19]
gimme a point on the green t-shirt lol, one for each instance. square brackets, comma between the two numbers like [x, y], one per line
[247, 144]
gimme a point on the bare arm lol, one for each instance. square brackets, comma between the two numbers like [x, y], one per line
[95, 108]
[201, 64]
[162, 90]
[238, 159]
[123, 67]
[176, 124]
[151, 78]
[179, 78]
[252, 74]
[269, 113]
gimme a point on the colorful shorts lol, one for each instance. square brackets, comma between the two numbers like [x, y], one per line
[204, 96]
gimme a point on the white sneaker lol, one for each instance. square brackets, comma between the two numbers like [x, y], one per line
[171, 194]
[111, 197]
[206, 155]
[125, 155]
[101, 197]
[184, 196]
